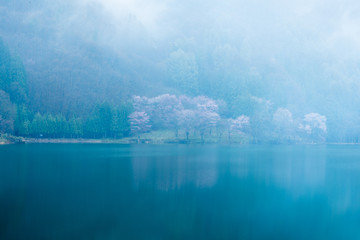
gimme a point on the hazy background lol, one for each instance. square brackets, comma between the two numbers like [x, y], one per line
[299, 55]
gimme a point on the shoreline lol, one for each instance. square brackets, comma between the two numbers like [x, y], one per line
[20, 140]
[147, 139]
[106, 141]
[61, 140]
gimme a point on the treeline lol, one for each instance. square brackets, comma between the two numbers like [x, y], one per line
[13, 88]
[256, 118]
[105, 121]
[205, 117]
[12, 76]
[18, 118]
[193, 116]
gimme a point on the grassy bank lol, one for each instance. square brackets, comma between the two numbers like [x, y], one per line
[2, 140]
[10, 139]
[180, 137]
[155, 137]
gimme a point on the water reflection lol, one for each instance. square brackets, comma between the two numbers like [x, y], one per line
[304, 173]
[171, 172]
[285, 167]
[179, 192]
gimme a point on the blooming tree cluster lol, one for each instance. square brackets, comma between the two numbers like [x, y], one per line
[205, 116]
[312, 128]
[315, 121]
[282, 117]
[237, 125]
[139, 123]
[284, 125]
[314, 125]
[199, 114]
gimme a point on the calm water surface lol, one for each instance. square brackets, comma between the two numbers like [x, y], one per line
[89, 191]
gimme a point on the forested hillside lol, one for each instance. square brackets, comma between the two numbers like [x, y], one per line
[71, 68]
[18, 116]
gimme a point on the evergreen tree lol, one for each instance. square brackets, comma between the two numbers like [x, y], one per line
[38, 126]
[22, 122]
[183, 71]
[4, 67]
[75, 127]
[7, 113]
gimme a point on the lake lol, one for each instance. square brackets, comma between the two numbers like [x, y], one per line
[100, 191]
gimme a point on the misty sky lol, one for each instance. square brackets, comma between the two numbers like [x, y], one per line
[327, 24]
[298, 55]
[302, 55]
[270, 27]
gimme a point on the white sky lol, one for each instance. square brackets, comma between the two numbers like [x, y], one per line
[333, 22]
[147, 12]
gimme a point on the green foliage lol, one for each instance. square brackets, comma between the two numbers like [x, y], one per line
[99, 122]
[4, 67]
[18, 85]
[12, 76]
[183, 71]
[22, 122]
[108, 121]
[13, 90]
[37, 126]
[105, 121]
[7, 113]
[120, 126]
[75, 127]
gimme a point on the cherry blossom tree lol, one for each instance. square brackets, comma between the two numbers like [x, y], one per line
[237, 125]
[314, 126]
[164, 112]
[284, 125]
[206, 120]
[140, 104]
[206, 113]
[187, 121]
[139, 123]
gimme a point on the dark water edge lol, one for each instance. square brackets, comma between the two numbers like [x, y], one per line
[106, 191]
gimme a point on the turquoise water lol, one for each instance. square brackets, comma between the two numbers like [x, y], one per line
[85, 191]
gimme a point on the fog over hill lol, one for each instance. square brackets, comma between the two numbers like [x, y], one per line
[302, 56]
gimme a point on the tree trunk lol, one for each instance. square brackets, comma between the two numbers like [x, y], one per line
[220, 135]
